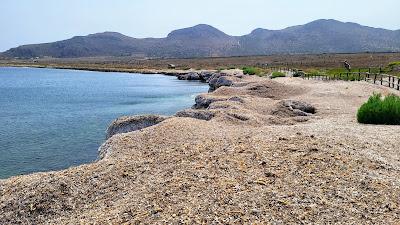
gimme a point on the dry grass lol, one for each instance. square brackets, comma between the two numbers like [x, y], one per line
[362, 60]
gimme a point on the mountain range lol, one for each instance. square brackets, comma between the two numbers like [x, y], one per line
[320, 36]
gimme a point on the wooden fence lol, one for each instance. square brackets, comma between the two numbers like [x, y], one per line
[376, 78]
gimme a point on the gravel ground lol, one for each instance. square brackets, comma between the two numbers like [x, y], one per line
[253, 162]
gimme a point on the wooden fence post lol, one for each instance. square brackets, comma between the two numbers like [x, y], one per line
[392, 82]
[398, 83]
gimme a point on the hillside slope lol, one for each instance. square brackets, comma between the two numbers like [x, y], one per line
[321, 36]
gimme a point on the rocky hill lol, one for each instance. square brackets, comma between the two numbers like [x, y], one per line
[321, 36]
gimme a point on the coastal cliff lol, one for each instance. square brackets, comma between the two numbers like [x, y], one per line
[251, 150]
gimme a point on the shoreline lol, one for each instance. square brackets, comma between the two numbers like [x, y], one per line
[167, 72]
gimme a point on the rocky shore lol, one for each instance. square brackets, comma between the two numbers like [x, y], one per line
[190, 74]
[252, 150]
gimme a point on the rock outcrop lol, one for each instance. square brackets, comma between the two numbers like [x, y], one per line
[189, 76]
[288, 108]
[219, 80]
[197, 114]
[132, 123]
[205, 76]
[203, 101]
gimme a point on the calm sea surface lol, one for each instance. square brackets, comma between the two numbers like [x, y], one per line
[54, 119]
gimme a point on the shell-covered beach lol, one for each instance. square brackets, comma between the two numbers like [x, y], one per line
[283, 151]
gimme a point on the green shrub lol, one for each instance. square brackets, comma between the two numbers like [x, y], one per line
[250, 70]
[393, 64]
[277, 74]
[394, 68]
[314, 72]
[380, 110]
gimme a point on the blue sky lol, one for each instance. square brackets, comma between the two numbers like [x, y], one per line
[38, 21]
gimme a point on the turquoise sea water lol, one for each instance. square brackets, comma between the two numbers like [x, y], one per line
[53, 119]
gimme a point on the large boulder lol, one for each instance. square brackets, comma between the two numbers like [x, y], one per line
[127, 124]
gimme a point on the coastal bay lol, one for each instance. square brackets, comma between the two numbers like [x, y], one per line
[54, 119]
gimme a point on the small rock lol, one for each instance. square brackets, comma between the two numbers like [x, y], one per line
[197, 114]
[293, 108]
[255, 212]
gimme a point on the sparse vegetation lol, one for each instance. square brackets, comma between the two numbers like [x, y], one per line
[251, 70]
[380, 110]
[315, 72]
[319, 62]
[220, 69]
[394, 68]
[277, 74]
[393, 64]
[261, 72]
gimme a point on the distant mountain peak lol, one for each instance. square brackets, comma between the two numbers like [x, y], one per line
[332, 23]
[198, 31]
[326, 21]
[259, 31]
[108, 34]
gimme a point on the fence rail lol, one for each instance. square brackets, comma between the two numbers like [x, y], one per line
[375, 78]
[371, 76]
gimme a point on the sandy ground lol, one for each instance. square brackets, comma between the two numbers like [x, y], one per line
[253, 162]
